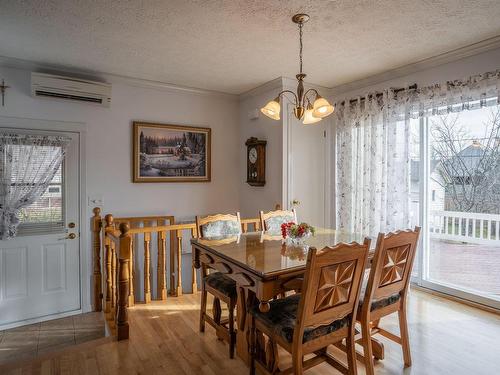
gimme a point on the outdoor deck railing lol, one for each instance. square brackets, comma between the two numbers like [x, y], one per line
[465, 226]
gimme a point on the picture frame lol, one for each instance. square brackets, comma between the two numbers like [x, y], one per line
[170, 153]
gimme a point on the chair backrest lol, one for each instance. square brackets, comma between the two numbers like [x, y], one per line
[391, 266]
[271, 221]
[219, 225]
[332, 283]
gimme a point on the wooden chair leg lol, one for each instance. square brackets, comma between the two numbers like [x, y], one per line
[405, 337]
[232, 335]
[297, 362]
[367, 348]
[203, 307]
[351, 353]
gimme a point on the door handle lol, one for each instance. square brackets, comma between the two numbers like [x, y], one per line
[70, 236]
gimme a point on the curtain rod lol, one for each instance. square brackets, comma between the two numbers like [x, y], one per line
[379, 94]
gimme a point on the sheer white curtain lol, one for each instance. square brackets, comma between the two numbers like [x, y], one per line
[373, 184]
[27, 165]
[373, 144]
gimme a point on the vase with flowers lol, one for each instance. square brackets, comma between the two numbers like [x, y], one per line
[296, 234]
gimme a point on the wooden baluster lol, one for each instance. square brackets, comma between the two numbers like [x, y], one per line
[114, 277]
[194, 282]
[257, 226]
[173, 241]
[497, 227]
[179, 263]
[488, 230]
[123, 282]
[96, 245]
[107, 260]
[162, 287]
[147, 276]
[131, 270]
[245, 227]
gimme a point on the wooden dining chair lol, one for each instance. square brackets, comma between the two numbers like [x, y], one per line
[219, 285]
[323, 314]
[386, 291]
[271, 221]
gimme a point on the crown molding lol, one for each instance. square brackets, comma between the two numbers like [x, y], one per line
[275, 84]
[14, 63]
[431, 62]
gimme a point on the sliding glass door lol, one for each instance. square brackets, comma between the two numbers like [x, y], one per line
[455, 175]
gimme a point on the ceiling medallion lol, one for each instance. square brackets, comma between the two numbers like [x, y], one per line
[311, 111]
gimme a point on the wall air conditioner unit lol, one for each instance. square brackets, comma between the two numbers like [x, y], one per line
[67, 88]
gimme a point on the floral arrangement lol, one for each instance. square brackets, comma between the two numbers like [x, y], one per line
[296, 231]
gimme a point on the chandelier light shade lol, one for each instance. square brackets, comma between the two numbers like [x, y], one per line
[310, 114]
[309, 118]
[322, 108]
[272, 109]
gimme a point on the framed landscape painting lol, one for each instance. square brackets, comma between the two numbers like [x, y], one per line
[170, 153]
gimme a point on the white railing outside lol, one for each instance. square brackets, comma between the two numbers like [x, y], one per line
[465, 226]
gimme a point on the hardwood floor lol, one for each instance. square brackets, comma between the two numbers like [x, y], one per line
[446, 338]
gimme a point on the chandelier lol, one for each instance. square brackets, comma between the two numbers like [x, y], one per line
[311, 111]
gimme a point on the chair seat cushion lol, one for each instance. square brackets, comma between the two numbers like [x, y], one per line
[222, 283]
[282, 319]
[378, 304]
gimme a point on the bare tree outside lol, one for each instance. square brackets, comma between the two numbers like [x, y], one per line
[469, 165]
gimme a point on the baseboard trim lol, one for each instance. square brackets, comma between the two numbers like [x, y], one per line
[457, 299]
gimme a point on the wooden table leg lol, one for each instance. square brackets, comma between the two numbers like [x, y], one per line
[245, 300]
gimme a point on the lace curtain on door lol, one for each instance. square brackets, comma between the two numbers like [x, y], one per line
[373, 142]
[27, 165]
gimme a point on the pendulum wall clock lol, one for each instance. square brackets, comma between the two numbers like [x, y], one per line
[256, 162]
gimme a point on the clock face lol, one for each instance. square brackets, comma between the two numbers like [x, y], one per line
[252, 155]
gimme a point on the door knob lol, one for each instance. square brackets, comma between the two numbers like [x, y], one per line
[70, 236]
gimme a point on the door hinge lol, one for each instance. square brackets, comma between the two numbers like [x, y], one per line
[324, 133]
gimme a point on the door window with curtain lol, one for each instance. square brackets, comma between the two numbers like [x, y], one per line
[31, 194]
[448, 166]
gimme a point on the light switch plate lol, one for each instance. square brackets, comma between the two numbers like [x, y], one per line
[96, 200]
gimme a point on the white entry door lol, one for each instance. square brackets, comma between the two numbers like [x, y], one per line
[40, 268]
[307, 167]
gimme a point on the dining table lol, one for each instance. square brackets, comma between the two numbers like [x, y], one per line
[265, 266]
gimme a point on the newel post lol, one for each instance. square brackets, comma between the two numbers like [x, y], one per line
[96, 247]
[123, 281]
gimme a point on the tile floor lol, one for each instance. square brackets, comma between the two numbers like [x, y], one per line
[40, 338]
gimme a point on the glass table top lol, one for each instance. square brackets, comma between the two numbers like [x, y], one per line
[267, 254]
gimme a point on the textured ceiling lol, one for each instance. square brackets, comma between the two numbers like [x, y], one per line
[235, 45]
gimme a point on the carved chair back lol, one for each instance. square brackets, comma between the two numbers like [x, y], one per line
[392, 264]
[332, 283]
[271, 221]
[219, 225]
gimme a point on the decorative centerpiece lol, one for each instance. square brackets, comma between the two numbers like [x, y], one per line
[296, 234]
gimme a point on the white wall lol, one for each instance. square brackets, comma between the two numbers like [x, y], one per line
[109, 146]
[255, 198]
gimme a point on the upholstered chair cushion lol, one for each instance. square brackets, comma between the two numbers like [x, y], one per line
[273, 224]
[282, 318]
[222, 283]
[378, 304]
[220, 228]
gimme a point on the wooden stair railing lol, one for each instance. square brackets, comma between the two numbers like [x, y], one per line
[114, 243]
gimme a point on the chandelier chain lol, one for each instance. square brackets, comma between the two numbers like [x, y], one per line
[300, 44]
